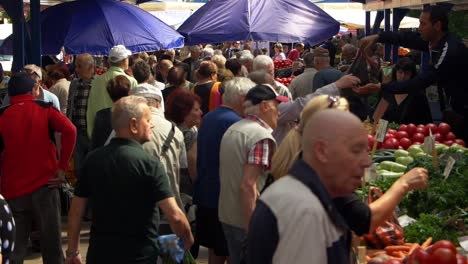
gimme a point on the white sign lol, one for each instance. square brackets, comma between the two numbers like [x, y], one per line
[381, 130]
[449, 167]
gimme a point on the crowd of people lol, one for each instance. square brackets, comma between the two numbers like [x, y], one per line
[271, 169]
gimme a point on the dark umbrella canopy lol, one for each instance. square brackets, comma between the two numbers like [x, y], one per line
[268, 20]
[95, 26]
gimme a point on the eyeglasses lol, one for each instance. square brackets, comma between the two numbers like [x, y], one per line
[30, 72]
[333, 101]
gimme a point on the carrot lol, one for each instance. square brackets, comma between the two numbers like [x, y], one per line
[409, 244]
[368, 258]
[378, 252]
[413, 247]
[391, 249]
[427, 243]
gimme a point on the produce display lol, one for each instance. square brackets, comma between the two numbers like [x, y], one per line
[100, 71]
[281, 64]
[441, 210]
[285, 81]
[441, 252]
[408, 135]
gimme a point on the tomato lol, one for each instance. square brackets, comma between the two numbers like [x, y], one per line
[402, 134]
[423, 130]
[461, 259]
[392, 131]
[403, 128]
[432, 127]
[418, 137]
[444, 256]
[393, 261]
[419, 256]
[460, 142]
[405, 143]
[442, 244]
[391, 143]
[450, 136]
[448, 142]
[370, 140]
[444, 128]
[411, 129]
[438, 137]
[389, 135]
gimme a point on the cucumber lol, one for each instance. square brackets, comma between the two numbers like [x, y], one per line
[392, 166]
[392, 174]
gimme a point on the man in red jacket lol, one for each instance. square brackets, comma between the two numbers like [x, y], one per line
[30, 171]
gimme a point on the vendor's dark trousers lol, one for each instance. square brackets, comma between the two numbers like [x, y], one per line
[43, 205]
[81, 149]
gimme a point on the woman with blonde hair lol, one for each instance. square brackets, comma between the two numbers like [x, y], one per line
[288, 150]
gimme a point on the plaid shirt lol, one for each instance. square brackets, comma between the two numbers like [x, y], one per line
[78, 102]
[262, 151]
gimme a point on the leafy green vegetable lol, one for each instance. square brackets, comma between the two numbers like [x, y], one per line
[430, 226]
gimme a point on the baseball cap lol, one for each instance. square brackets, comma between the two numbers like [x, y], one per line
[20, 83]
[118, 53]
[34, 69]
[149, 91]
[264, 92]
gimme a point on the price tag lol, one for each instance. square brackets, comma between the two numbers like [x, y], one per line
[381, 130]
[448, 167]
[429, 144]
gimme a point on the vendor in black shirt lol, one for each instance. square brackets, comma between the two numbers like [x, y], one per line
[404, 108]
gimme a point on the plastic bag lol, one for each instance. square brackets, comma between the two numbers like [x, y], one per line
[367, 69]
[388, 234]
[172, 250]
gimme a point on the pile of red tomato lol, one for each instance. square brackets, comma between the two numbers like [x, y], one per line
[281, 64]
[410, 134]
[442, 252]
[100, 71]
[285, 81]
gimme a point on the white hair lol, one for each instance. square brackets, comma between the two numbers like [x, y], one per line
[251, 109]
[219, 60]
[125, 109]
[236, 88]
[246, 57]
[262, 62]
[218, 52]
[208, 52]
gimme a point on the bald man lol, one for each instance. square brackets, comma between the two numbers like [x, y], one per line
[295, 217]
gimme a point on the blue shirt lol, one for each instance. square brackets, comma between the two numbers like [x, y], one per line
[211, 131]
[45, 96]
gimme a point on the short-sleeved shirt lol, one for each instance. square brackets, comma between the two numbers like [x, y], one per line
[123, 185]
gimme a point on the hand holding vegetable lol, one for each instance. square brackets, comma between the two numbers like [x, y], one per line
[414, 179]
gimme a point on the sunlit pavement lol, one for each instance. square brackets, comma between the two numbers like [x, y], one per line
[35, 257]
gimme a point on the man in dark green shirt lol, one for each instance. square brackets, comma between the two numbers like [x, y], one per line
[124, 186]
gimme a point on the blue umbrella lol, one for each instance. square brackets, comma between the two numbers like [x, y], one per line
[95, 26]
[268, 20]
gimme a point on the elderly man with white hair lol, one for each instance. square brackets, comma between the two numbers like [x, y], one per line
[265, 63]
[245, 158]
[214, 125]
[246, 59]
[125, 214]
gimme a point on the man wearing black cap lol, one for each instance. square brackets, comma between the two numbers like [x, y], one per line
[30, 171]
[245, 155]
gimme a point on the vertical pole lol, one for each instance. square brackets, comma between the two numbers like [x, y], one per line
[36, 41]
[367, 26]
[388, 47]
